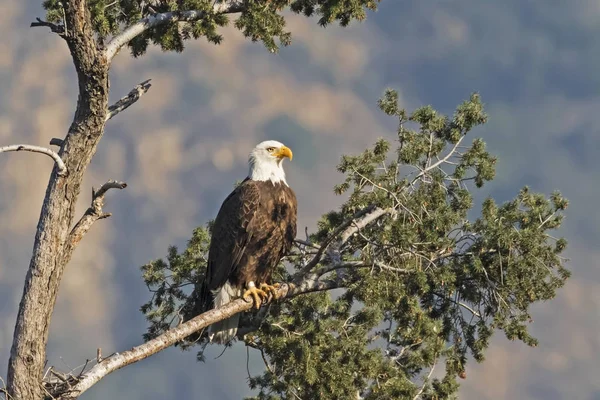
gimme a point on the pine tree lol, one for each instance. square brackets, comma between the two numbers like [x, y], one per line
[394, 282]
[405, 281]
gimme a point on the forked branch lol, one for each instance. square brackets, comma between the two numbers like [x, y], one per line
[441, 161]
[92, 214]
[62, 169]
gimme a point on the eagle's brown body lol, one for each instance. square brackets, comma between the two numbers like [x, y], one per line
[254, 229]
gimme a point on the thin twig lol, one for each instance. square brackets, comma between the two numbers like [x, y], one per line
[441, 161]
[459, 303]
[84, 366]
[542, 223]
[248, 363]
[306, 243]
[426, 380]
[62, 169]
[360, 264]
[287, 331]
[262, 354]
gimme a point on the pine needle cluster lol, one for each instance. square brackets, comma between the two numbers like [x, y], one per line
[259, 20]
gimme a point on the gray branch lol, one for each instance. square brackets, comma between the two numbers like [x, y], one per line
[180, 332]
[62, 169]
[360, 264]
[123, 103]
[343, 233]
[151, 21]
[92, 214]
[441, 161]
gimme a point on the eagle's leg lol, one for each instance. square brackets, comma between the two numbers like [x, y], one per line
[258, 295]
[272, 289]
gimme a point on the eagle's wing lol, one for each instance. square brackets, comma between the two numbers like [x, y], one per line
[291, 229]
[231, 233]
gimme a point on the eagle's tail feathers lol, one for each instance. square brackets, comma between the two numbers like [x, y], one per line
[223, 332]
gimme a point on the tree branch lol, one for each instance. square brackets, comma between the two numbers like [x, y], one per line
[346, 230]
[91, 215]
[360, 264]
[133, 96]
[62, 169]
[55, 28]
[441, 161]
[151, 21]
[176, 334]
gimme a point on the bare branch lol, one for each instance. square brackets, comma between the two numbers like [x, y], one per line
[426, 380]
[151, 21]
[56, 142]
[62, 169]
[264, 357]
[92, 214]
[346, 230]
[441, 161]
[357, 225]
[360, 264]
[180, 332]
[306, 243]
[58, 29]
[459, 303]
[133, 96]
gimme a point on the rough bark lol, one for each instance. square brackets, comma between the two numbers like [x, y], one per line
[28, 353]
[54, 245]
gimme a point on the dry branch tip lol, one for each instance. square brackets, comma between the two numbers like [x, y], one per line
[126, 101]
[61, 168]
[55, 28]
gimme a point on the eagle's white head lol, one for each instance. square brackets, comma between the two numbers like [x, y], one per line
[266, 160]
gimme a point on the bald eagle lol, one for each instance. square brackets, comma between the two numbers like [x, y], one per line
[254, 229]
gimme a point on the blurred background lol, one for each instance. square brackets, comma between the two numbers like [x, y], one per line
[183, 145]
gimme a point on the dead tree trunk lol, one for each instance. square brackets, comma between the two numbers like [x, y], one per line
[52, 249]
[57, 236]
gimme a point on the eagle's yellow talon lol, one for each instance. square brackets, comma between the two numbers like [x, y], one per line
[272, 289]
[257, 294]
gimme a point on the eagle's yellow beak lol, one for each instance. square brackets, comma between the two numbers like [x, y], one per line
[284, 152]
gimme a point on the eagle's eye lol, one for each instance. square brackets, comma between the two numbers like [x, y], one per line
[270, 149]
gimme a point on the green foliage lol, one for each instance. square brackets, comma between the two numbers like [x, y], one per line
[424, 287]
[167, 282]
[259, 20]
